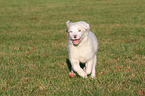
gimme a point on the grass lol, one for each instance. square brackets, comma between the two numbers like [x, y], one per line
[33, 47]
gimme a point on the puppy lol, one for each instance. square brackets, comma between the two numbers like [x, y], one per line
[82, 48]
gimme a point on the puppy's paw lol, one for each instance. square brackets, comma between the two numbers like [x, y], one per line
[72, 74]
[84, 75]
[92, 75]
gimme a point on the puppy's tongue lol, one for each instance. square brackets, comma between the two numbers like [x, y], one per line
[76, 41]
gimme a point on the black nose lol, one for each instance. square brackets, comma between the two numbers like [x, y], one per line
[75, 36]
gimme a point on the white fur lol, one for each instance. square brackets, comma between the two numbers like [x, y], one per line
[82, 48]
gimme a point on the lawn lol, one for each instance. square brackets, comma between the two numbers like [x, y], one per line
[33, 47]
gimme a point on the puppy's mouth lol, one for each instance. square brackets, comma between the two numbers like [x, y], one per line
[76, 41]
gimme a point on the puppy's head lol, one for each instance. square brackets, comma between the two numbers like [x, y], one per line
[77, 30]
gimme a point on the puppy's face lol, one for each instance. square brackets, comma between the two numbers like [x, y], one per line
[76, 31]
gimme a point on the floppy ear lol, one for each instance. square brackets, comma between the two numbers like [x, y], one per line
[85, 25]
[67, 23]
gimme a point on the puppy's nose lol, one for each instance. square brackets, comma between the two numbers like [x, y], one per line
[75, 36]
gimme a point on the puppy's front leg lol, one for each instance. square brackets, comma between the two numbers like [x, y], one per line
[76, 67]
[93, 69]
[90, 67]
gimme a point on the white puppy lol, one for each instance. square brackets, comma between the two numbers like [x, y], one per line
[82, 48]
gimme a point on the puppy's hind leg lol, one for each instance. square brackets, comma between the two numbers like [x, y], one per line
[72, 74]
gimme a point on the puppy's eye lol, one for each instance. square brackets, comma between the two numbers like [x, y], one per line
[79, 30]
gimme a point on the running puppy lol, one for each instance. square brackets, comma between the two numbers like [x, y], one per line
[82, 48]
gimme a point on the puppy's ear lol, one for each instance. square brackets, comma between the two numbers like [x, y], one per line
[67, 23]
[85, 25]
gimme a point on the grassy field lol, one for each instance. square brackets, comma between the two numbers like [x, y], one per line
[33, 47]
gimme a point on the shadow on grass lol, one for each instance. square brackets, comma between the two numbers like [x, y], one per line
[68, 64]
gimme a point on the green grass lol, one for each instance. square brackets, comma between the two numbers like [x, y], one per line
[33, 47]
